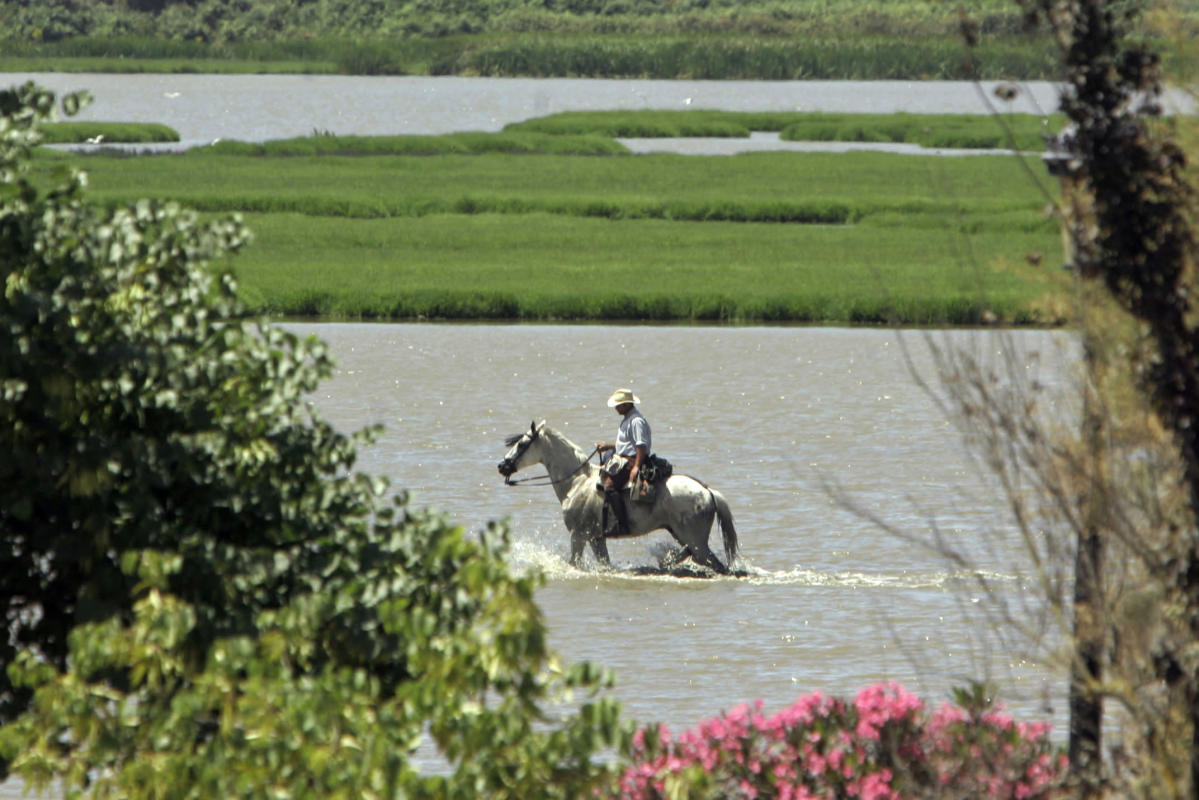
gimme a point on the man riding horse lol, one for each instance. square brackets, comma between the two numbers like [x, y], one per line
[624, 459]
[681, 505]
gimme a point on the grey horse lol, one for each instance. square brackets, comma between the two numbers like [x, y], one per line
[682, 505]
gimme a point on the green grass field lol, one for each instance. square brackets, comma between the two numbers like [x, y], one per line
[537, 226]
[546, 266]
[784, 187]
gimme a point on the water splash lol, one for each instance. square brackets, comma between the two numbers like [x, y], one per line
[532, 556]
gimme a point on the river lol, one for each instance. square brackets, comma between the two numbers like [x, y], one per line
[260, 107]
[205, 108]
[773, 417]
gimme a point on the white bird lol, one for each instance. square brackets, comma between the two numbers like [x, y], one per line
[687, 102]
[171, 95]
[99, 137]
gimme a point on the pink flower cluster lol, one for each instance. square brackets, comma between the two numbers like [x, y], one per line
[884, 745]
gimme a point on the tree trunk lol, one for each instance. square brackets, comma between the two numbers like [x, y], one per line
[1086, 672]
[1086, 665]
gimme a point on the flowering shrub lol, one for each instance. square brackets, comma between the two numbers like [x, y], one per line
[884, 745]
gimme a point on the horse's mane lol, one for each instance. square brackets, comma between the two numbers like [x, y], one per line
[516, 437]
[540, 430]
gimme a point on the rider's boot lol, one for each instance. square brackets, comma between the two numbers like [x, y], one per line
[619, 526]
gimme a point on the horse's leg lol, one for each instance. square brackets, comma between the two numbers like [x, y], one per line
[694, 539]
[577, 541]
[599, 548]
[703, 555]
[675, 557]
[709, 559]
[582, 514]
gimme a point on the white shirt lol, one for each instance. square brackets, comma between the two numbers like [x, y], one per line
[634, 431]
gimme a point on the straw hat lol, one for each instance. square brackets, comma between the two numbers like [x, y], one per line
[621, 396]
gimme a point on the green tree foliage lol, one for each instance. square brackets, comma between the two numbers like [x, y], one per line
[202, 598]
[54, 20]
[261, 20]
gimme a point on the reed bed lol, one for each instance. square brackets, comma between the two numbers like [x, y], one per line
[546, 267]
[697, 54]
[107, 132]
[905, 39]
[310, 25]
[762, 58]
[1017, 131]
[653, 123]
[776, 187]
[779, 237]
[466, 143]
[302, 54]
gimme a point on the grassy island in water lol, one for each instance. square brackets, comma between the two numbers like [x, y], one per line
[553, 219]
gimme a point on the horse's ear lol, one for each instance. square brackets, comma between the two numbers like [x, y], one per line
[533, 427]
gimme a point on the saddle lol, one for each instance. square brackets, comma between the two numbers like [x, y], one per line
[641, 491]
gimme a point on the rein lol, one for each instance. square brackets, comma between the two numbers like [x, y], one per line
[547, 480]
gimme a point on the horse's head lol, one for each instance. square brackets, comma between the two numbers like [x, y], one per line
[523, 451]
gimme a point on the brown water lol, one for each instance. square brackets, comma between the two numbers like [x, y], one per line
[767, 415]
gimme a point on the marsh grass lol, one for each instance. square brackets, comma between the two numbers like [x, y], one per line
[777, 187]
[720, 39]
[885, 238]
[182, 55]
[111, 132]
[653, 123]
[752, 58]
[543, 267]
[165, 66]
[576, 47]
[1018, 131]
[454, 143]
[304, 54]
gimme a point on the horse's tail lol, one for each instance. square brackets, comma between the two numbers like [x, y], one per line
[727, 531]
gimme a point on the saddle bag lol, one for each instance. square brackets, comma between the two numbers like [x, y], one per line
[656, 469]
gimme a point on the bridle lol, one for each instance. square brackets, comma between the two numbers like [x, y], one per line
[526, 439]
[547, 479]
